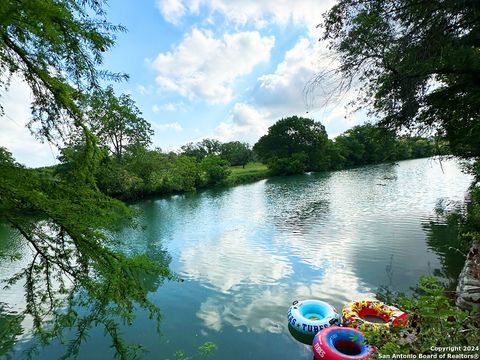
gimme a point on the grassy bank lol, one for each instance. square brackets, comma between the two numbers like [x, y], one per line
[250, 173]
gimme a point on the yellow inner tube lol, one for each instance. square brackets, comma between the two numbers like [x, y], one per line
[355, 314]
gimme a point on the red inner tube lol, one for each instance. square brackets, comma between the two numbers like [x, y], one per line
[347, 347]
[372, 312]
[341, 343]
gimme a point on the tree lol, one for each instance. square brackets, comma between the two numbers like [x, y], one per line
[6, 156]
[416, 64]
[211, 146]
[202, 148]
[236, 153]
[117, 122]
[56, 46]
[294, 135]
[366, 144]
[215, 168]
[193, 150]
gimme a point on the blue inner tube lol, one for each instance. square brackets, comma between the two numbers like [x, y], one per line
[311, 316]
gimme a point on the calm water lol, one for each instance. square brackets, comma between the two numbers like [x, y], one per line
[247, 252]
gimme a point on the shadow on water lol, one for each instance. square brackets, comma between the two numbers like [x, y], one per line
[444, 239]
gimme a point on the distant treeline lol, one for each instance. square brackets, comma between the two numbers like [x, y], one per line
[139, 172]
[294, 145]
[128, 169]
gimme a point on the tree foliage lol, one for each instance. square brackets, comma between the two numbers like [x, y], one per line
[366, 144]
[56, 47]
[202, 148]
[236, 153]
[117, 122]
[416, 64]
[295, 136]
[215, 169]
[286, 152]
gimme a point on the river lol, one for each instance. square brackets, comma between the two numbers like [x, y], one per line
[246, 252]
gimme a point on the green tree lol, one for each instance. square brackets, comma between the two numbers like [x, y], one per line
[6, 156]
[416, 64]
[294, 135]
[421, 148]
[216, 169]
[211, 146]
[56, 47]
[202, 148]
[403, 149]
[236, 153]
[117, 122]
[193, 150]
[366, 144]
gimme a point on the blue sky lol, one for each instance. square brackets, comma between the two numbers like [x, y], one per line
[222, 69]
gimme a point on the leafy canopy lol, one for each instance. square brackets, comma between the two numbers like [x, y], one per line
[416, 64]
[56, 47]
[202, 148]
[295, 136]
[236, 153]
[117, 122]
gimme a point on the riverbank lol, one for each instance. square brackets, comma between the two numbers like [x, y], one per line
[250, 173]
[468, 288]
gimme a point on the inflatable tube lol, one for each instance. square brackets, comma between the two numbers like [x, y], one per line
[356, 315]
[339, 343]
[300, 337]
[311, 316]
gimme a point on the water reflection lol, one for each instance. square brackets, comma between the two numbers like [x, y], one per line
[247, 252]
[233, 260]
[443, 238]
[263, 309]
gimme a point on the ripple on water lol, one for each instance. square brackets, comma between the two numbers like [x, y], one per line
[247, 252]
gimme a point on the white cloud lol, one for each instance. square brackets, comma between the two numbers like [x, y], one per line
[172, 10]
[279, 94]
[167, 107]
[173, 126]
[258, 13]
[203, 66]
[144, 90]
[283, 90]
[263, 309]
[14, 135]
[245, 123]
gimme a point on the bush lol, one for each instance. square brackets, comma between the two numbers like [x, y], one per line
[294, 164]
[216, 170]
[433, 322]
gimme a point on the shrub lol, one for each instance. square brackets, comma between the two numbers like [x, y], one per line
[434, 321]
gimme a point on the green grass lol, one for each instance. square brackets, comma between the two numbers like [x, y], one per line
[251, 172]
